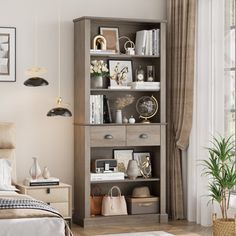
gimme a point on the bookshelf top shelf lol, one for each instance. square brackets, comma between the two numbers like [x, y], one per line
[125, 20]
[123, 90]
[126, 180]
[123, 56]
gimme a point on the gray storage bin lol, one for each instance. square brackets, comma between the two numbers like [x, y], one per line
[149, 205]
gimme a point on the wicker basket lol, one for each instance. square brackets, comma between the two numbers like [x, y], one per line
[223, 227]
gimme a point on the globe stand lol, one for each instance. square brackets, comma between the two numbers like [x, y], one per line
[145, 121]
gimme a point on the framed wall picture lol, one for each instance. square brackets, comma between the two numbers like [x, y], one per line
[123, 156]
[112, 37]
[7, 54]
[120, 72]
[144, 163]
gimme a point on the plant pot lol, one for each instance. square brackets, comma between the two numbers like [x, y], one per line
[222, 227]
[98, 82]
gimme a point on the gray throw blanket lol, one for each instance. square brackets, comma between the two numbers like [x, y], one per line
[8, 203]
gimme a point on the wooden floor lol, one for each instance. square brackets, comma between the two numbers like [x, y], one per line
[174, 227]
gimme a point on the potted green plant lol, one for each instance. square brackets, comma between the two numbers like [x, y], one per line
[98, 70]
[220, 168]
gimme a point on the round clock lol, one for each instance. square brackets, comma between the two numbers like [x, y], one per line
[139, 74]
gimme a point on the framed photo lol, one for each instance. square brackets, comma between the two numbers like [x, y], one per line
[7, 54]
[123, 156]
[144, 163]
[120, 73]
[112, 37]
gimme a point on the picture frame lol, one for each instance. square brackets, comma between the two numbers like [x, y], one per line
[123, 156]
[145, 168]
[111, 35]
[7, 54]
[121, 73]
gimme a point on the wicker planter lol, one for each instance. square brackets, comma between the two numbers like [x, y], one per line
[224, 227]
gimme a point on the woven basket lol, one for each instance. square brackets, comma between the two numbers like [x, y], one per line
[223, 227]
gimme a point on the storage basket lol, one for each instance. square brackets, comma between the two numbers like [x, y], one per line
[223, 227]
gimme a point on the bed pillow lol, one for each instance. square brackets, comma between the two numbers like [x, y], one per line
[7, 135]
[9, 154]
[5, 175]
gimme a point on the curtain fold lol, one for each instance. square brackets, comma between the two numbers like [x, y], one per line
[181, 17]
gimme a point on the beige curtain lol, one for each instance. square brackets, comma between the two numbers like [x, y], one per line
[181, 16]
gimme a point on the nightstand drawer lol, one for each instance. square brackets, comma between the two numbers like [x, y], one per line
[62, 207]
[143, 135]
[107, 136]
[50, 194]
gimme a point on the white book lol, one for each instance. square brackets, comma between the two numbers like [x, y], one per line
[157, 42]
[101, 109]
[107, 176]
[140, 42]
[150, 42]
[154, 42]
[119, 87]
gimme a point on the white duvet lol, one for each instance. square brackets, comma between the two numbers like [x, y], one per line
[47, 226]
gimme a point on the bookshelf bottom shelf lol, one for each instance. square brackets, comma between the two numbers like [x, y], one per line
[124, 220]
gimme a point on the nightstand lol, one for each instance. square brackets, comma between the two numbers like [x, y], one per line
[57, 196]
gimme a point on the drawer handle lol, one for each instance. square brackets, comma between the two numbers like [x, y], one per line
[48, 203]
[48, 190]
[144, 204]
[108, 136]
[143, 136]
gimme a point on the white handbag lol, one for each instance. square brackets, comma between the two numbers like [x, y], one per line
[114, 205]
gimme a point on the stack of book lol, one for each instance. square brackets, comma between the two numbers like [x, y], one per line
[41, 181]
[107, 176]
[145, 85]
[99, 109]
[147, 42]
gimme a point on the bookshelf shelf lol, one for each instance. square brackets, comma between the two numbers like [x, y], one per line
[124, 90]
[127, 181]
[122, 56]
[90, 139]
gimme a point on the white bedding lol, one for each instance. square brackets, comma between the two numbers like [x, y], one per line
[45, 226]
[32, 227]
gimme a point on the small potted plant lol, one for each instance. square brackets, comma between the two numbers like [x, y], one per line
[98, 70]
[220, 168]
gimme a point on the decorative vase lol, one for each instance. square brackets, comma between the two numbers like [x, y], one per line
[118, 116]
[132, 169]
[97, 82]
[35, 170]
[131, 120]
[46, 173]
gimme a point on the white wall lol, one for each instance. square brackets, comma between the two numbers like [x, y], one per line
[51, 139]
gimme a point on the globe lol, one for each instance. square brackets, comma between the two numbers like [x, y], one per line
[147, 107]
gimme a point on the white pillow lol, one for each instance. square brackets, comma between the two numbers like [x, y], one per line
[5, 175]
[5, 172]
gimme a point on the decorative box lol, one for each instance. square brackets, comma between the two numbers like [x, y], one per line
[148, 205]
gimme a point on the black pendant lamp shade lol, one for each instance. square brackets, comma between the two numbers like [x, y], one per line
[59, 111]
[35, 82]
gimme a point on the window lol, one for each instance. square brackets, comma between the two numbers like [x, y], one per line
[229, 58]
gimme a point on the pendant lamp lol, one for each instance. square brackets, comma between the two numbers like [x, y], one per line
[59, 110]
[35, 72]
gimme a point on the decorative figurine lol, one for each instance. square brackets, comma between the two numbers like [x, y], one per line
[99, 43]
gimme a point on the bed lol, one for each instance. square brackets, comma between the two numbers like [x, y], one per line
[20, 214]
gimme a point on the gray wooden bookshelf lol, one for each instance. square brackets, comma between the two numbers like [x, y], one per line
[89, 138]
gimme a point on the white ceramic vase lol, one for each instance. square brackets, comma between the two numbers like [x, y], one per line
[35, 170]
[46, 173]
[96, 81]
[118, 116]
[132, 169]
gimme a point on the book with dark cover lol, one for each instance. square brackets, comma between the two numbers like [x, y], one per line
[106, 111]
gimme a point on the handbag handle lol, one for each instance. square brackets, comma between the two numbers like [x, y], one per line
[111, 190]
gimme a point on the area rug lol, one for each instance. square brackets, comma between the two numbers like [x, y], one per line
[151, 233]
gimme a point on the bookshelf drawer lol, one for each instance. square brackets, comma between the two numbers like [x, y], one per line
[107, 136]
[143, 135]
[48, 194]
